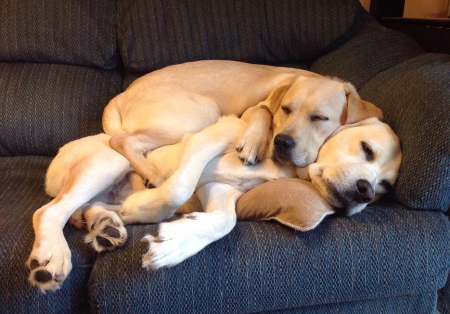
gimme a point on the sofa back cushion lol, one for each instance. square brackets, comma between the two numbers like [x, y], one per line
[154, 34]
[70, 31]
[44, 106]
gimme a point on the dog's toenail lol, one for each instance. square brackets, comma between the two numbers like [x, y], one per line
[112, 232]
[158, 240]
[191, 217]
[34, 264]
[239, 149]
[104, 242]
[116, 224]
[43, 276]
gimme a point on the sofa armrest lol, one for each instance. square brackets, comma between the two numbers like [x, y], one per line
[370, 49]
[415, 99]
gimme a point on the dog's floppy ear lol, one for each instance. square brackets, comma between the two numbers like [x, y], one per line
[358, 109]
[273, 101]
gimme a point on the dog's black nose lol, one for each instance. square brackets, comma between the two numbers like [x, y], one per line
[283, 142]
[365, 192]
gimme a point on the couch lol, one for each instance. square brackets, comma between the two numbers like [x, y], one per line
[62, 61]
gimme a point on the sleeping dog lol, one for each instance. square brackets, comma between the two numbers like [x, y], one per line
[355, 167]
[159, 108]
[293, 110]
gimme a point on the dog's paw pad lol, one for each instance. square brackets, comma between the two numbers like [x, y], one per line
[43, 276]
[49, 264]
[35, 264]
[106, 232]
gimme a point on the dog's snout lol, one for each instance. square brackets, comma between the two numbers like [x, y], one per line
[365, 191]
[283, 142]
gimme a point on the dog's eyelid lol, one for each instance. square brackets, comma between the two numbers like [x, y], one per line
[286, 109]
[368, 151]
[317, 117]
[386, 185]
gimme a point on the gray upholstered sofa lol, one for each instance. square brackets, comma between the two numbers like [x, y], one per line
[60, 63]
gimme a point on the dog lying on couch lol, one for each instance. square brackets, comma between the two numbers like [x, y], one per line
[161, 107]
[88, 170]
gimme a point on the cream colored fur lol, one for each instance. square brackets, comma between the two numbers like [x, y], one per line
[205, 163]
[147, 130]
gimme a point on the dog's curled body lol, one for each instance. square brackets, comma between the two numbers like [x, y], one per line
[159, 108]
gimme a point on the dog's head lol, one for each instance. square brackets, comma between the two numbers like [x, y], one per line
[357, 165]
[307, 111]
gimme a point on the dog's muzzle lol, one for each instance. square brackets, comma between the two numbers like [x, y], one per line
[360, 195]
[283, 145]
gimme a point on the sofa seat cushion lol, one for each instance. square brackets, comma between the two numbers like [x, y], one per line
[21, 194]
[402, 304]
[414, 96]
[71, 31]
[444, 298]
[384, 251]
[154, 34]
[44, 106]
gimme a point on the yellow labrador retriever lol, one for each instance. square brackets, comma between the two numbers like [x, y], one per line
[89, 171]
[161, 107]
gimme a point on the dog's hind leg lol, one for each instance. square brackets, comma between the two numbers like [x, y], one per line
[50, 259]
[182, 238]
[135, 146]
[161, 123]
[156, 205]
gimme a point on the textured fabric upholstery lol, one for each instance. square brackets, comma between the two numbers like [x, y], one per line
[384, 251]
[444, 298]
[44, 106]
[21, 193]
[371, 50]
[415, 99]
[154, 34]
[59, 71]
[70, 31]
[405, 304]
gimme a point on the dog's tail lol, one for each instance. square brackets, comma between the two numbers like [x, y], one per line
[111, 120]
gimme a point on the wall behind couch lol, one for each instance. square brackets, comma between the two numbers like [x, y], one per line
[420, 8]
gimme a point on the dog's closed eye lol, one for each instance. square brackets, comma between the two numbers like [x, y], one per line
[370, 156]
[387, 185]
[286, 109]
[315, 118]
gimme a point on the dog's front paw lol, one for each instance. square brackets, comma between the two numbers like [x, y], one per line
[106, 230]
[251, 148]
[176, 241]
[49, 263]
